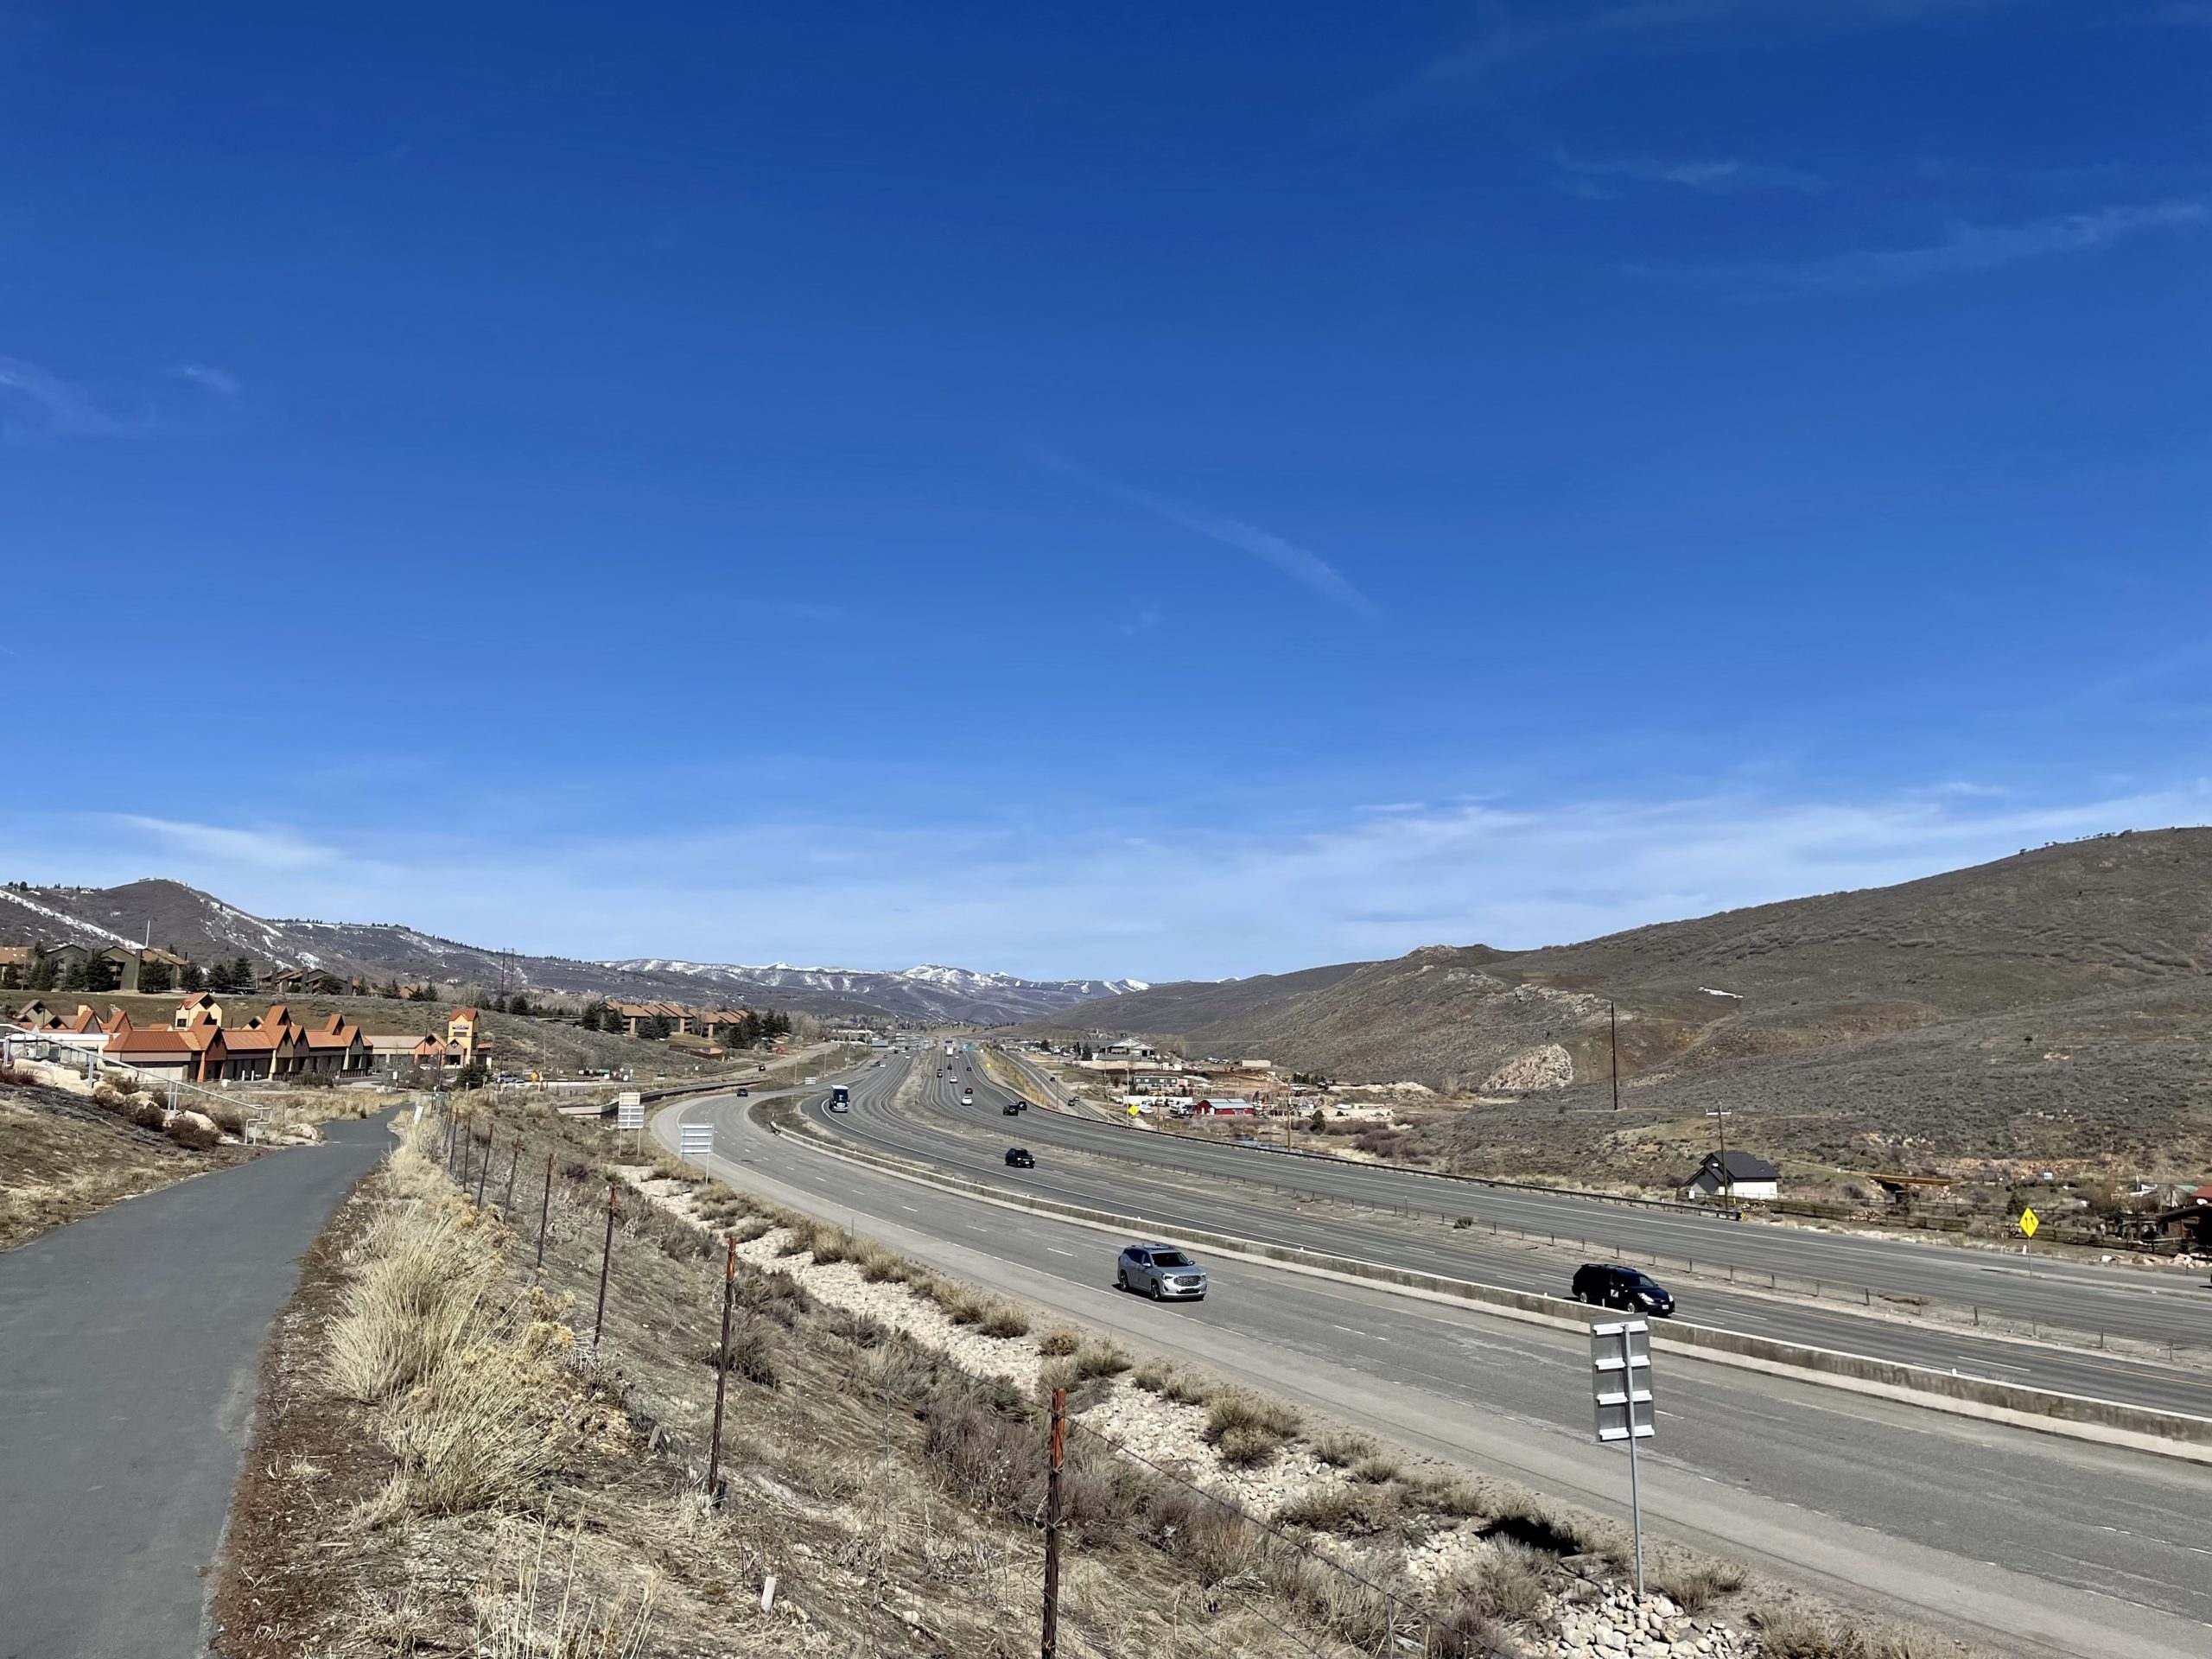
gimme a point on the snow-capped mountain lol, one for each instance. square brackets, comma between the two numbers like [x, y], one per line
[170, 914]
[930, 992]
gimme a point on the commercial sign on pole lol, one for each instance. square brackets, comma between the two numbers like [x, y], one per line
[695, 1142]
[1620, 1388]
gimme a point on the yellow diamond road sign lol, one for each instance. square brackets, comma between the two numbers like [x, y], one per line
[2029, 1222]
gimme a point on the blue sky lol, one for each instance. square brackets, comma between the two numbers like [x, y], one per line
[1159, 491]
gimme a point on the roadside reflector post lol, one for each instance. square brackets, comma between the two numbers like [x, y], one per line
[606, 1256]
[721, 1375]
[1620, 1389]
[1050, 1646]
[544, 1210]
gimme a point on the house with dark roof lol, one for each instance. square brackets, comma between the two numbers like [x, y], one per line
[1743, 1177]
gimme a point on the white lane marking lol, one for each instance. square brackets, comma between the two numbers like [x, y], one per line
[1057, 1250]
[1965, 1359]
[910, 1211]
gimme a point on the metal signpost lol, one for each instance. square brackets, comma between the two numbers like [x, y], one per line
[695, 1143]
[1620, 1386]
[629, 1114]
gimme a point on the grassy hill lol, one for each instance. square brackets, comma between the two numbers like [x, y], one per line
[1186, 1005]
[2054, 1006]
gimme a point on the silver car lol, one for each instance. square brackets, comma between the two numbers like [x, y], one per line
[1161, 1271]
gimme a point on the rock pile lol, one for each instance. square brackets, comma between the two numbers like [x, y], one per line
[1617, 1626]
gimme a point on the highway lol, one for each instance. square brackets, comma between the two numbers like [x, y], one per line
[972, 1140]
[2150, 1305]
[2029, 1542]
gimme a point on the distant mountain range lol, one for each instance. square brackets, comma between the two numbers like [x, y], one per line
[203, 926]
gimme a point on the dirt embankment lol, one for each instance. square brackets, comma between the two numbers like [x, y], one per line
[63, 1157]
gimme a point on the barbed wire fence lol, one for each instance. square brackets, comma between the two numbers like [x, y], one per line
[1067, 1486]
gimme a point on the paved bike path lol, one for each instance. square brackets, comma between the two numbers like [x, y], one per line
[130, 1352]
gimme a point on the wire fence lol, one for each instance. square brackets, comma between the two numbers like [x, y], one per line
[1070, 1489]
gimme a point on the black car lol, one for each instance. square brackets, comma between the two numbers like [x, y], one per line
[1631, 1289]
[743, 1092]
[1019, 1158]
[1012, 1109]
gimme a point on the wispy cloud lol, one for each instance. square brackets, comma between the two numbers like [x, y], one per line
[1600, 178]
[1991, 247]
[218, 381]
[1103, 896]
[35, 402]
[279, 848]
[1143, 622]
[1300, 564]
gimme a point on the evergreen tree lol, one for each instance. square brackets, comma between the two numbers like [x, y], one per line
[194, 978]
[154, 975]
[430, 991]
[589, 1020]
[498, 1005]
[44, 970]
[519, 1004]
[75, 978]
[659, 1027]
[391, 989]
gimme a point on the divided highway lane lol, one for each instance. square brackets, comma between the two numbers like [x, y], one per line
[2034, 1544]
[2082, 1296]
[975, 1150]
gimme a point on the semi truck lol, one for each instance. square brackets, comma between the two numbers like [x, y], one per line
[841, 1098]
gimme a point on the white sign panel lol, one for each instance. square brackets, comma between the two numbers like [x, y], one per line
[1620, 1380]
[629, 1112]
[695, 1142]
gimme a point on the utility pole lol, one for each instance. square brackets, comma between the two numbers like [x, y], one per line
[1721, 1121]
[1613, 1016]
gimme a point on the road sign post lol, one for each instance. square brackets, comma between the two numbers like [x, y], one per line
[1620, 1388]
[629, 1114]
[695, 1143]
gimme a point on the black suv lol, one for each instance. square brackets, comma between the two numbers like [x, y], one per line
[1631, 1289]
[1012, 1109]
[1019, 1158]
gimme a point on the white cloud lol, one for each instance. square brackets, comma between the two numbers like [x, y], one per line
[1594, 177]
[44, 403]
[1990, 247]
[1052, 900]
[221, 383]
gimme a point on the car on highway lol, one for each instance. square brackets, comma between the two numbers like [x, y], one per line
[743, 1091]
[1161, 1271]
[1012, 1109]
[1631, 1289]
[1019, 1158]
[967, 1097]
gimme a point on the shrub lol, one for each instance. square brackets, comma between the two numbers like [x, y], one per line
[1693, 1583]
[1058, 1341]
[1506, 1582]
[1240, 1409]
[1376, 1469]
[752, 1227]
[1246, 1444]
[194, 1133]
[753, 1347]
[1003, 1320]
[230, 1119]
[1343, 1448]
[1464, 1631]
[1463, 1222]
[1349, 1511]
[1099, 1357]
[149, 1114]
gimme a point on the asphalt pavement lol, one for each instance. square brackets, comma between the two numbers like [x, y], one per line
[1254, 1200]
[2146, 1304]
[2033, 1543]
[129, 1352]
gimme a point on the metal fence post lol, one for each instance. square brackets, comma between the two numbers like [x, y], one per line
[606, 1257]
[721, 1375]
[1051, 1645]
[1635, 1491]
[544, 1210]
[484, 1172]
[513, 1164]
